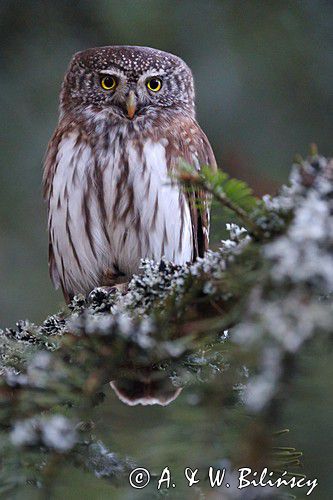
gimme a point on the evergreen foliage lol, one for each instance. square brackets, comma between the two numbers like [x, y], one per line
[239, 316]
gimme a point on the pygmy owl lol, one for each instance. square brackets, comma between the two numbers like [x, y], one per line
[127, 116]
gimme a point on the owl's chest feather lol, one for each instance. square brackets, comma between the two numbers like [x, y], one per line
[107, 213]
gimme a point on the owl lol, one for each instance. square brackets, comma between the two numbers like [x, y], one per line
[127, 117]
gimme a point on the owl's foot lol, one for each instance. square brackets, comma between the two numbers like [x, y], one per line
[101, 292]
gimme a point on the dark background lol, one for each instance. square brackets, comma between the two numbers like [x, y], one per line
[263, 72]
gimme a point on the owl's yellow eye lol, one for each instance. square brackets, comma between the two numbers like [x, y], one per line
[108, 82]
[154, 84]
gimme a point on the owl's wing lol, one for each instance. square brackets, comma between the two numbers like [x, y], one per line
[53, 268]
[49, 168]
[192, 145]
[50, 163]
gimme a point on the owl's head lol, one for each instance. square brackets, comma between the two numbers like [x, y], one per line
[129, 82]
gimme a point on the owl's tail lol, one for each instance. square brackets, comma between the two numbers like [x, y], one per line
[145, 391]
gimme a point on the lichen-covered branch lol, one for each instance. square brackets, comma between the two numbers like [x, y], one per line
[243, 311]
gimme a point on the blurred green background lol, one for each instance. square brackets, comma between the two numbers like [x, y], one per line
[263, 72]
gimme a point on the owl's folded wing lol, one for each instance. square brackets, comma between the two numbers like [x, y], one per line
[53, 268]
[194, 147]
[49, 168]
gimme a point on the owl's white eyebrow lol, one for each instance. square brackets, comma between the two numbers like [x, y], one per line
[153, 72]
[110, 72]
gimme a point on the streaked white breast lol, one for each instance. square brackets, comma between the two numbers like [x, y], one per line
[146, 215]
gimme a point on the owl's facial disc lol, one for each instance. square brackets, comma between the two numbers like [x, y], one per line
[127, 83]
[128, 94]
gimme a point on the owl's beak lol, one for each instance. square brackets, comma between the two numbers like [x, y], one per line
[131, 104]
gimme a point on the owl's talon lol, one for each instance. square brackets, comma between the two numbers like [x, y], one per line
[104, 291]
[97, 294]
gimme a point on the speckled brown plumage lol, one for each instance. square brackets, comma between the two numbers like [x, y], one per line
[110, 200]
